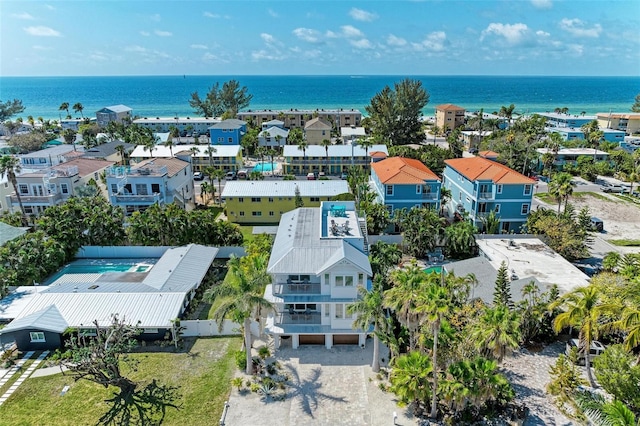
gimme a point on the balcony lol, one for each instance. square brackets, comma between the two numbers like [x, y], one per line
[137, 199]
[296, 288]
[299, 318]
[485, 195]
[429, 196]
[50, 199]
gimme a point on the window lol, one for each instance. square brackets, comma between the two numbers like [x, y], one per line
[24, 189]
[150, 330]
[89, 332]
[327, 280]
[256, 213]
[220, 140]
[339, 311]
[497, 208]
[241, 213]
[141, 189]
[460, 196]
[114, 188]
[499, 189]
[527, 190]
[155, 188]
[525, 209]
[241, 199]
[482, 207]
[230, 140]
[339, 281]
[64, 188]
[256, 199]
[327, 309]
[418, 189]
[271, 199]
[389, 208]
[348, 281]
[37, 336]
[361, 279]
[389, 189]
[312, 199]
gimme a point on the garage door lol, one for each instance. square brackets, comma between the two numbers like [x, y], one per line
[345, 339]
[311, 339]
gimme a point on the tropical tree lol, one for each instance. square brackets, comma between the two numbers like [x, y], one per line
[78, 108]
[592, 135]
[561, 188]
[65, 107]
[636, 105]
[302, 146]
[210, 150]
[326, 143]
[228, 100]
[120, 149]
[219, 174]
[10, 167]
[507, 112]
[369, 310]
[383, 257]
[205, 188]
[497, 332]
[491, 223]
[421, 227]
[410, 378]
[241, 296]
[174, 132]
[460, 240]
[366, 143]
[502, 289]
[169, 144]
[10, 108]
[584, 310]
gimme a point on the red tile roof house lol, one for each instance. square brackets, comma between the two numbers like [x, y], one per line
[479, 186]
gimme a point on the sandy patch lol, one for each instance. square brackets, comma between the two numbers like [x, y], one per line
[621, 218]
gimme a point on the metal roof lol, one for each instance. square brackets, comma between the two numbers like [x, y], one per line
[8, 232]
[48, 318]
[50, 152]
[116, 108]
[285, 188]
[161, 151]
[334, 151]
[181, 268]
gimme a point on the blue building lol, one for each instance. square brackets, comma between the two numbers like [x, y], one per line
[555, 119]
[573, 133]
[479, 186]
[227, 132]
[403, 183]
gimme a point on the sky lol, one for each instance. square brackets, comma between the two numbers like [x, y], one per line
[321, 37]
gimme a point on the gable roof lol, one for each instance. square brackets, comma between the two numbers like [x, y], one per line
[107, 149]
[400, 170]
[478, 168]
[117, 108]
[449, 107]
[8, 232]
[317, 124]
[274, 131]
[231, 123]
[47, 319]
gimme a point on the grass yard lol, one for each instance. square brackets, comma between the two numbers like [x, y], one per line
[545, 197]
[247, 233]
[203, 376]
[625, 243]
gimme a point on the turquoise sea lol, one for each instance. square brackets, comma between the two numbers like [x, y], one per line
[169, 95]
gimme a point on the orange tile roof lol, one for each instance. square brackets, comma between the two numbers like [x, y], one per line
[377, 154]
[487, 154]
[478, 168]
[400, 170]
[449, 107]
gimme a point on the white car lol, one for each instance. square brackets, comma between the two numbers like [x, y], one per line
[198, 176]
[597, 349]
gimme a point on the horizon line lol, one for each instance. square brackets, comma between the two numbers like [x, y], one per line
[321, 75]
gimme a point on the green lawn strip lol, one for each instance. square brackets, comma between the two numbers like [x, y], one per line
[203, 376]
[545, 197]
[17, 374]
[627, 198]
[247, 233]
[625, 243]
[216, 209]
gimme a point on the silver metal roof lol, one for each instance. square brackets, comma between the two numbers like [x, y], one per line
[181, 268]
[334, 151]
[285, 188]
[48, 319]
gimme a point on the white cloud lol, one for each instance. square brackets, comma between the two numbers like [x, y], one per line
[578, 28]
[268, 38]
[351, 32]
[198, 46]
[542, 4]
[160, 33]
[362, 15]
[273, 13]
[576, 49]
[331, 34]
[42, 31]
[39, 47]
[395, 41]
[148, 54]
[135, 48]
[312, 54]
[48, 6]
[362, 43]
[211, 15]
[155, 17]
[434, 42]
[542, 33]
[145, 33]
[210, 57]
[267, 55]
[307, 34]
[513, 34]
[22, 15]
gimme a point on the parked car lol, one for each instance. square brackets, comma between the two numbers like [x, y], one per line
[597, 224]
[597, 349]
[231, 175]
[344, 176]
[311, 176]
[243, 174]
[612, 187]
[198, 176]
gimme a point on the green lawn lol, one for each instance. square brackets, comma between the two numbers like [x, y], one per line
[545, 197]
[625, 243]
[247, 233]
[203, 376]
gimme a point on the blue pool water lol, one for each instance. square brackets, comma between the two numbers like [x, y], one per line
[263, 167]
[99, 266]
[437, 269]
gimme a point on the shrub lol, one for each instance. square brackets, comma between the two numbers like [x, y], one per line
[237, 382]
[241, 360]
[264, 352]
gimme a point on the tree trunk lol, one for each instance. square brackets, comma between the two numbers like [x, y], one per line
[375, 365]
[434, 399]
[587, 364]
[247, 345]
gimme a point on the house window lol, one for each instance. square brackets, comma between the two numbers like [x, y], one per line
[327, 281]
[114, 188]
[241, 213]
[327, 309]
[37, 336]
[89, 332]
[220, 140]
[241, 199]
[230, 140]
[389, 189]
[348, 281]
[527, 190]
[64, 188]
[141, 189]
[497, 208]
[339, 281]
[460, 196]
[271, 199]
[418, 189]
[256, 213]
[256, 199]
[389, 208]
[482, 207]
[339, 311]
[150, 330]
[361, 279]
[525, 209]
[316, 199]
[24, 189]
[155, 188]
[499, 189]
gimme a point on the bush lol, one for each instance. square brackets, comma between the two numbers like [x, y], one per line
[241, 360]
[619, 375]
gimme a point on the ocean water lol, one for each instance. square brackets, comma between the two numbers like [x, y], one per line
[164, 96]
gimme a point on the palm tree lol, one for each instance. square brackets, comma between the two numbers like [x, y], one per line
[194, 150]
[583, 310]
[204, 190]
[64, 107]
[210, 151]
[561, 188]
[326, 143]
[507, 112]
[174, 133]
[78, 108]
[410, 377]
[278, 139]
[497, 332]
[366, 143]
[9, 167]
[370, 311]
[149, 145]
[219, 174]
[169, 143]
[241, 297]
[302, 146]
[630, 323]
[405, 296]
[120, 149]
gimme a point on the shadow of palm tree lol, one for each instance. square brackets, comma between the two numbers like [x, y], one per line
[308, 391]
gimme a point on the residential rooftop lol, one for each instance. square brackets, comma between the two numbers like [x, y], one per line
[478, 168]
[334, 151]
[400, 170]
[286, 188]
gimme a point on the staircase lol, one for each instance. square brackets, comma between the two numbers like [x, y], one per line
[362, 223]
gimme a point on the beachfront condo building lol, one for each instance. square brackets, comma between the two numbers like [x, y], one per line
[225, 157]
[299, 117]
[573, 133]
[117, 113]
[227, 132]
[316, 130]
[45, 158]
[152, 181]
[555, 119]
[74, 123]
[183, 124]
[449, 116]
[628, 123]
[265, 202]
[318, 260]
[334, 160]
[569, 156]
[403, 183]
[479, 186]
[42, 188]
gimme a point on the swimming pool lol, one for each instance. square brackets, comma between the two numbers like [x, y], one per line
[103, 266]
[263, 167]
[436, 269]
